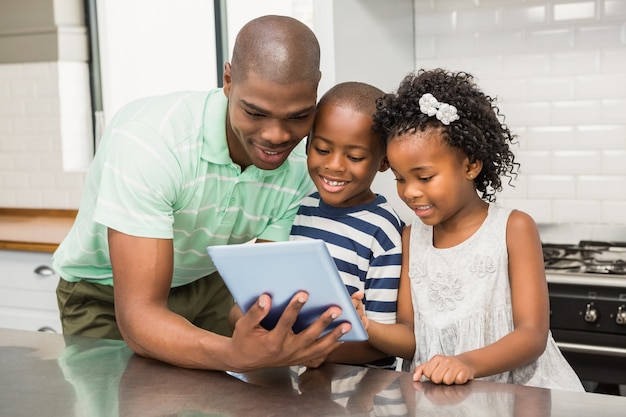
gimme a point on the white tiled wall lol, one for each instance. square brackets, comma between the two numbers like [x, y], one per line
[45, 134]
[559, 70]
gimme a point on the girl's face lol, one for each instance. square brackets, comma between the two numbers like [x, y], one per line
[434, 179]
[344, 156]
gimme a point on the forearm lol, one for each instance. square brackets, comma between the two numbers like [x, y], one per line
[514, 350]
[160, 334]
[393, 339]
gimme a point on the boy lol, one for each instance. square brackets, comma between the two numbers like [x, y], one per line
[360, 228]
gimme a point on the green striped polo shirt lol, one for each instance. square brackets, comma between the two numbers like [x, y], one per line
[163, 170]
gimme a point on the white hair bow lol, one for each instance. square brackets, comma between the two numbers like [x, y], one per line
[444, 112]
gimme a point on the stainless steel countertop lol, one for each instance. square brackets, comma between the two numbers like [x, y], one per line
[43, 374]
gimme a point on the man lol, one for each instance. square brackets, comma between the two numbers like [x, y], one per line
[176, 173]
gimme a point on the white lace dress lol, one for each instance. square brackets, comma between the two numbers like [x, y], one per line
[462, 301]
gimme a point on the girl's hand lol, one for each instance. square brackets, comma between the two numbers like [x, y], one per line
[444, 370]
[357, 301]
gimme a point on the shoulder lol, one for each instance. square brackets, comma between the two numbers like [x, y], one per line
[385, 209]
[521, 231]
[520, 222]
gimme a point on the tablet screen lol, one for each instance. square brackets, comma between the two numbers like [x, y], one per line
[281, 269]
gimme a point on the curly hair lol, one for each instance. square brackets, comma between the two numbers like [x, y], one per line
[477, 133]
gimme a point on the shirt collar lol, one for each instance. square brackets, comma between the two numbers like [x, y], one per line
[214, 146]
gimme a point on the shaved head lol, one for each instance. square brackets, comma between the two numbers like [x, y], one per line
[280, 49]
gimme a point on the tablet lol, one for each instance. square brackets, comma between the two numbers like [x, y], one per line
[281, 269]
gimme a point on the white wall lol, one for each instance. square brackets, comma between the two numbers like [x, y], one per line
[559, 69]
[557, 65]
[150, 47]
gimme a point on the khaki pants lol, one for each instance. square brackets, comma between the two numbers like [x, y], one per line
[87, 309]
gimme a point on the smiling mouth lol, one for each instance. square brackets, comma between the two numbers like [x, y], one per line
[422, 208]
[334, 183]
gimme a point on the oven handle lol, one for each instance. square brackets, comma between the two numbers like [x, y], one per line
[596, 350]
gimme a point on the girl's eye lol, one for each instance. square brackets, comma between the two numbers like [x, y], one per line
[425, 179]
[400, 180]
[322, 151]
[355, 158]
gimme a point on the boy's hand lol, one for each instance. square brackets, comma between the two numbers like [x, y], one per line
[357, 301]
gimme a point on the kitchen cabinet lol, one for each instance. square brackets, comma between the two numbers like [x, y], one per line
[27, 291]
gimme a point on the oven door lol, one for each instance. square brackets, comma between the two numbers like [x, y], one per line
[586, 323]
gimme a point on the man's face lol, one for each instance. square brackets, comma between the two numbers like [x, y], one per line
[266, 120]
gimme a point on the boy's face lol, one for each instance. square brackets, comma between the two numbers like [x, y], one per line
[265, 120]
[344, 156]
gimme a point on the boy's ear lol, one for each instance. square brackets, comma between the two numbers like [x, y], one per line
[384, 165]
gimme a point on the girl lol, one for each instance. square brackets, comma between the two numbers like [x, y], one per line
[477, 282]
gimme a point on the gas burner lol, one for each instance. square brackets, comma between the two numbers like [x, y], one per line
[613, 267]
[587, 257]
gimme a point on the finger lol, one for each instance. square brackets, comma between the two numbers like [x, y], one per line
[462, 377]
[434, 370]
[290, 314]
[316, 328]
[418, 373]
[257, 312]
[449, 376]
[358, 295]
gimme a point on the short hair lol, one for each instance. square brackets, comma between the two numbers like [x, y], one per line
[278, 48]
[354, 95]
[357, 96]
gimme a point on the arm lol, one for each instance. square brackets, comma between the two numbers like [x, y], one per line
[397, 339]
[531, 319]
[142, 274]
[385, 339]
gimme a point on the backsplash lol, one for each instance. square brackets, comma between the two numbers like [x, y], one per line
[45, 134]
[558, 69]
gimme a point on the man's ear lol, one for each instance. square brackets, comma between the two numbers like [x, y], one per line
[384, 165]
[227, 79]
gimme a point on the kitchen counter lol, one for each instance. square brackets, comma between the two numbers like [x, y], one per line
[44, 374]
[34, 229]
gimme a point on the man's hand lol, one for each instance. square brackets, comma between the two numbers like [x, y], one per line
[253, 346]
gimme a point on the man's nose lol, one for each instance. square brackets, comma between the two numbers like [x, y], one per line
[275, 132]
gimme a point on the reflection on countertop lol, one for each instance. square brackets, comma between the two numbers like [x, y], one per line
[55, 375]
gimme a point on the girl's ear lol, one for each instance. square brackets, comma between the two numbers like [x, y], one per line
[473, 169]
[384, 165]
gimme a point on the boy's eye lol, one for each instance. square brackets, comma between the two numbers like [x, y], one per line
[355, 158]
[425, 179]
[322, 151]
[400, 180]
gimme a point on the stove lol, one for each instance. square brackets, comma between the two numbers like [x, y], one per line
[587, 287]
